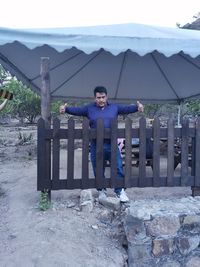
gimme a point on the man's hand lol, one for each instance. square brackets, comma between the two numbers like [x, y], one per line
[140, 107]
[62, 108]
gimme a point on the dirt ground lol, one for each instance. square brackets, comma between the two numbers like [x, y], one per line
[63, 235]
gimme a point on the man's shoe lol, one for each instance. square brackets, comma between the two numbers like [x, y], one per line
[102, 194]
[123, 197]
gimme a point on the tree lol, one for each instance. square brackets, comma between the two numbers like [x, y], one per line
[25, 103]
[193, 107]
[4, 76]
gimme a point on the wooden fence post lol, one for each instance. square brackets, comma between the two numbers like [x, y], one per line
[45, 111]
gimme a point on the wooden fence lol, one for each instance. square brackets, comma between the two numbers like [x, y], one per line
[49, 155]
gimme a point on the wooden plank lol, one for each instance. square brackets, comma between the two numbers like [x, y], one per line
[163, 181]
[100, 180]
[56, 150]
[142, 152]
[128, 150]
[184, 151]
[114, 148]
[85, 154]
[197, 154]
[170, 152]
[156, 152]
[121, 133]
[70, 153]
[61, 184]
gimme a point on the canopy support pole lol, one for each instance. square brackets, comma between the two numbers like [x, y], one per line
[46, 115]
[179, 115]
[45, 91]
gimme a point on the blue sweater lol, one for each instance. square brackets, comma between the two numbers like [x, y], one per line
[93, 112]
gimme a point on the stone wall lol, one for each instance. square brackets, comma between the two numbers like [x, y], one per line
[163, 232]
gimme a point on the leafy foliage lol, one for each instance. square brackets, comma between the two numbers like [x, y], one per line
[151, 110]
[55, 106]
[25, 138]
[44, 203]
[193, 107]
[25, 104]
[3, 75]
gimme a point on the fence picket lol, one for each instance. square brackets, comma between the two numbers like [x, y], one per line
[142, 152]
[184, 152]
[197, 154]
[85, 154]
[170, 152]
[156, 152]
[113, 171]
[56, 153]
[128, 150]
[70, 153]
[100, 179]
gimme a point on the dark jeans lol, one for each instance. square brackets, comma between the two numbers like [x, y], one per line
[107, 156]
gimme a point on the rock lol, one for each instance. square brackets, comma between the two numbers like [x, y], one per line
[106, 216]
[193, 262]
[70, 204]
[138, 253]
[162, 226]
[163, 247]
[87, 206]
[86, 195]
[111, 202]
[86, 200]
[187, 244]
[191, 219]
[95, 227]
[135, 230]
[171, 263]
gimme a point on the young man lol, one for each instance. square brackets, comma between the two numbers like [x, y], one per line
[101, 108]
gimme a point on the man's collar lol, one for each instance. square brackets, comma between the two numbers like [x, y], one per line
[95, 104]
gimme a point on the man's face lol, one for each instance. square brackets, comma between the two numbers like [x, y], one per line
[101, 99]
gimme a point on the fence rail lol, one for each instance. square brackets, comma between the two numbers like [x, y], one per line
[49, 155]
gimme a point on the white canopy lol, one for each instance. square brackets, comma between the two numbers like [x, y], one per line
[133, 61]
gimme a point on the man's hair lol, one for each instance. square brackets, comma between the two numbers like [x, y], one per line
[100, 89]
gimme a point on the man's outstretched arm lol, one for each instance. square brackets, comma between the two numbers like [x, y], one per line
[126, 109]
[77, 111]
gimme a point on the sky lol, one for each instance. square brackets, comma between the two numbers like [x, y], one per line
[65, 13]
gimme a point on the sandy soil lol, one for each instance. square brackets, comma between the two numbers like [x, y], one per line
[63, 235]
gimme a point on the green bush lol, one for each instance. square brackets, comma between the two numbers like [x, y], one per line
[55, 107]
[25, 138]
[44, 202]
[25, 103]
